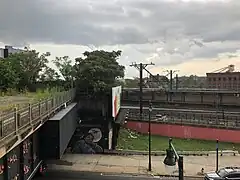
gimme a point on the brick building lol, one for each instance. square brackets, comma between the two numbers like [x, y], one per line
[225, 80]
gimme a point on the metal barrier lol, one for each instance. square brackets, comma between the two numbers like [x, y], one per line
[17, 120]
[217, 120]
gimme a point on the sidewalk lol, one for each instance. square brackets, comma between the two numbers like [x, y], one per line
[137, 164]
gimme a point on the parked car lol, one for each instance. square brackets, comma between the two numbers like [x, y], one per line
[227, 173]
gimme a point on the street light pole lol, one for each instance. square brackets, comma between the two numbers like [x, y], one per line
[149, 137]
[217, 148]
[141, 90]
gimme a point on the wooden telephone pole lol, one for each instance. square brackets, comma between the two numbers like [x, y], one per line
[140, 67]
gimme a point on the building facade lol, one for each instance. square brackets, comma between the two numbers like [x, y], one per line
[226, 80]
[4, 52]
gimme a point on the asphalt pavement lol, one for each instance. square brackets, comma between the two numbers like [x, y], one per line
[67, 175]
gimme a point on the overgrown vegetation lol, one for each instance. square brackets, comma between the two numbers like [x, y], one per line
[12, 98]
[98, 71]
[130, 140]
[27, 76]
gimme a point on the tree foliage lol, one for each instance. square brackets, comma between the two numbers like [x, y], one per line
[23, 69]
[28, 65]
[9, 77]
[131, 83]
[98, 71]
[65, 67]
[49, 74]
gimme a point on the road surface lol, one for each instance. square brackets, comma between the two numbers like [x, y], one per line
[67, 175]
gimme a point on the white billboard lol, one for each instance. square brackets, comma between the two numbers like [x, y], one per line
[116, 100]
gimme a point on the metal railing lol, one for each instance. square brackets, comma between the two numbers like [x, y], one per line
[17, 120]
[217, 120]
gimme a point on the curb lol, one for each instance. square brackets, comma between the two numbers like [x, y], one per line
[163, 153]
[76, 174]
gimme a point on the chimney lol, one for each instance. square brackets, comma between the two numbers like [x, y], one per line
[5, 53]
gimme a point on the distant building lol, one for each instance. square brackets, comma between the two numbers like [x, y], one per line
[4, 52]
[229, 79]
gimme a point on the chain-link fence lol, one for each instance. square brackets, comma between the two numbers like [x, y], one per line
[191, 117]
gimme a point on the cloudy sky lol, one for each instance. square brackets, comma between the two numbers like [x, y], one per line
[192, 36]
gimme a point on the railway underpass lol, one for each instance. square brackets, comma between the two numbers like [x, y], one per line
[32, 134]
[44, 130]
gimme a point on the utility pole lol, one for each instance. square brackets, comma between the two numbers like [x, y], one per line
[176, 81]
[171, 72]
[140, 67]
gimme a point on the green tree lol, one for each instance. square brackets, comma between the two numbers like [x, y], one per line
[131, 83]
[49, 74]
[98, 71]
[65, 67]
[28, 65]
[9, 77]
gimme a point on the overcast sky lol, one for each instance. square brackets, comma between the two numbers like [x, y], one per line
[193, 37]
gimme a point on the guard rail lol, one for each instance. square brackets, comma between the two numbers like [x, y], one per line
[17, 120]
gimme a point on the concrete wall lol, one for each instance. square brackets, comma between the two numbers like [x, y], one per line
[56, 133]
[188, 132]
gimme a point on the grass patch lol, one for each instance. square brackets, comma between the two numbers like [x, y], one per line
[11, 98]
[130, 140]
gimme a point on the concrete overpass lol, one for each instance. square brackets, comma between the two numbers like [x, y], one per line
[34, 133]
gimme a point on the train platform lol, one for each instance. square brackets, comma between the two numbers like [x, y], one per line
[138, 164]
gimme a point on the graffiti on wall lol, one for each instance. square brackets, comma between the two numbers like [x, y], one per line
[88, 143]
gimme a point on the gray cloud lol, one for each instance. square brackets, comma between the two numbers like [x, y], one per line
[144, 24]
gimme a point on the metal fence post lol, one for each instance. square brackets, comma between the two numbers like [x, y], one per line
[180, 168]
[217, 147]
[30, 113]
[1, 125]
[16, 118]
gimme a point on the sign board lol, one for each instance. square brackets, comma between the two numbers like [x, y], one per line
[116, 100]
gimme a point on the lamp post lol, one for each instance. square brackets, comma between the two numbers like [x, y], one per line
[217, 148]
[149, 137]
[172, 156]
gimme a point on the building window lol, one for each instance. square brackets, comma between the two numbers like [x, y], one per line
[219, 79]
[229, 78]
[214, 79]
[209, 79]
[224, 79]
[235, 78]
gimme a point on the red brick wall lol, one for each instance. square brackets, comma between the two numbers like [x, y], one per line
[188, 132]
[224, 80]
